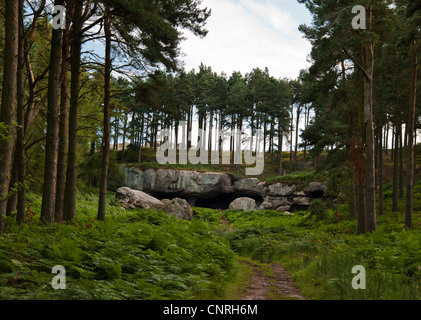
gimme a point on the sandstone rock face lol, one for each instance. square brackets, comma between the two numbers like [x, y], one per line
[245, 204]
[209, 186]
[131, 199]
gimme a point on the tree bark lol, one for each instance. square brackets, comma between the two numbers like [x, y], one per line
[411, 128]
[62, 135]
[12, 202]
[20, 132]
[51, 146]
[106, 138]
[395, 195]
[124, 139]
[8, 100]
[280, 143]
[370, 150]
[296, 138]
[401, 182]
[76, 44]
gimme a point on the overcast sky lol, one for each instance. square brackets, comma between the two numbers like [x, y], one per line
[245, 34]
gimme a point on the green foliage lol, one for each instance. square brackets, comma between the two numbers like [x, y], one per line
[137, 254]
[318, 209]
[302, 177]
[320, 255]
[90, 171]
[4, 132]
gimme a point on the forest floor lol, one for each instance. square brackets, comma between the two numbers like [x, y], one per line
[269, 282]
[263, 281]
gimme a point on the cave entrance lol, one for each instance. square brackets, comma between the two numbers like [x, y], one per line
[218, 202]
[222, 202]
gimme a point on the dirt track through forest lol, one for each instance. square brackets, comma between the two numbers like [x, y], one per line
[270, 282]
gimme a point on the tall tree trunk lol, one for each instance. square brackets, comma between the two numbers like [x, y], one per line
[411, 128]
[395, 195]
[401, 182]
[370, 152]
[12, 202]
[106, 138]
[380, 162]
[76, 44]
[352, 194]
[292, 130]
[280, 143]
[51, 146]
[296, 138]
[8, 99]
[62, 135]
[386, 138]
[362, 221]
[124, 139]
[20, 132]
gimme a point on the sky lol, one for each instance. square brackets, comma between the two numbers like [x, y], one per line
[246, 34]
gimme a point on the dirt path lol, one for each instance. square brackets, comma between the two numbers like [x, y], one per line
[269, 282]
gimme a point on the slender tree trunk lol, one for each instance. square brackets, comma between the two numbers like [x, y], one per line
[106, 139]
[124, 139]
[51, 146]
[401, 182]
[62, 135]
[76, 44]
[362, 222]
[296, 138]
[395, 195]
[292, 130]
[386, 138]
[380, 165]
[20, 132]
[411, 129]
[352, 195]
[280, 143]
[12, 202]
[370, 152]
[8, 100]
[392, 155]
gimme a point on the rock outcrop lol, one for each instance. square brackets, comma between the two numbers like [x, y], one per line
[221, 188]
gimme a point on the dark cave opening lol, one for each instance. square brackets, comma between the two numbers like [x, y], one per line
[219, 202]
[223, 201]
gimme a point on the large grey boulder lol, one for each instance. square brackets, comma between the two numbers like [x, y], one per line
[245, 204]
[131, 199]
[178, 208]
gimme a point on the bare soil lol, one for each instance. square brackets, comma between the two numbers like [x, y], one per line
[270, 282]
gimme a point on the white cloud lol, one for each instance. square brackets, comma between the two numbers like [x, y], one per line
[246, 34]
